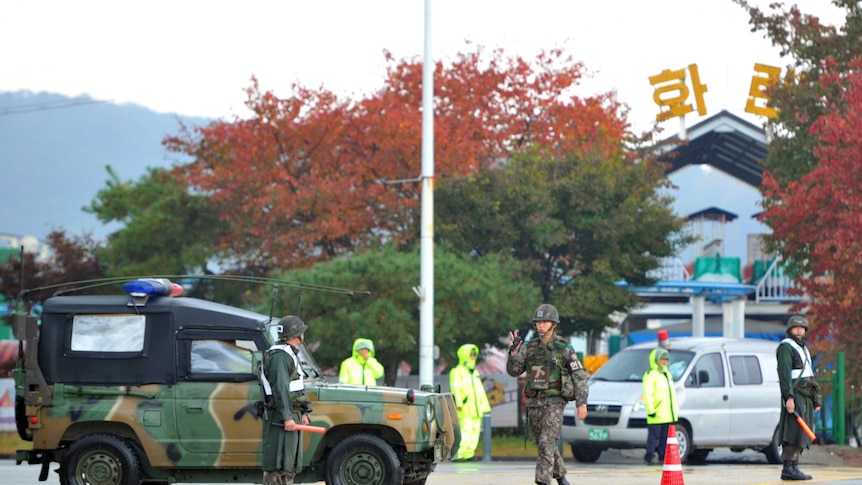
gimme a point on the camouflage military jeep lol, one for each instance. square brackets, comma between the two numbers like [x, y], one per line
[158, 389]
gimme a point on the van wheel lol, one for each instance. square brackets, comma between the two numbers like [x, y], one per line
[586, 453]
[100, 459]
[683, 438]
[773, 450]
[363, 459]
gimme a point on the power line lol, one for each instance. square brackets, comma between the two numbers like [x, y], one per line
[29, 108]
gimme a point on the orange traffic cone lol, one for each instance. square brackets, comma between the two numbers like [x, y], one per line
[671, 473]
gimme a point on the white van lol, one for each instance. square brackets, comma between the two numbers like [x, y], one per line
[728, 398]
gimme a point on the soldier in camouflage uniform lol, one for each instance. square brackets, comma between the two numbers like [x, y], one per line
[287, 405]
[554, 376]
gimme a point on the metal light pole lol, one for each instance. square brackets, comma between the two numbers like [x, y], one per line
[426, 277]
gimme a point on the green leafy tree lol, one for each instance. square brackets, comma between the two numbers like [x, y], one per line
[476, 300]
[166, 229]
[580, 224]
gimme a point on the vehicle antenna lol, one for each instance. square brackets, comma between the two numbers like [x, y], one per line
[299, 299]
[272, 304]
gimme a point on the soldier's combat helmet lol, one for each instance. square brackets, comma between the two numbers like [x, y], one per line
[290, 327]
[546, 313]
[797, 321]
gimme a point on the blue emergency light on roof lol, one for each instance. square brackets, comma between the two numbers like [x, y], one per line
[152, 287]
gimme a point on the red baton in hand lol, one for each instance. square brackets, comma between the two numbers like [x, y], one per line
[805, 426]
[315, 429]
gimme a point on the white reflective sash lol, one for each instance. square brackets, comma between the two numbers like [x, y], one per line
[804, 355]
[298, 384]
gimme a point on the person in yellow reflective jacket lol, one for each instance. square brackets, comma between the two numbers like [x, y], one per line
[362, 368]
[661, 405]
[466, 386]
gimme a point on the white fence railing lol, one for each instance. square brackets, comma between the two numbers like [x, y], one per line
[775, 285]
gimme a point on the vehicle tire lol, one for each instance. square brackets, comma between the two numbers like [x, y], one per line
[683, 439]
[586, 453]
[100, 459]
[773, 451]
[21, 419]
[698, 455]
[363, 459]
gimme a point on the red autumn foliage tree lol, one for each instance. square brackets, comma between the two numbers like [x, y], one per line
[821, 215]
[312, 176]
[72, 259]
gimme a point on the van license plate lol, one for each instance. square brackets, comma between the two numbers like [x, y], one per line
[598, 434]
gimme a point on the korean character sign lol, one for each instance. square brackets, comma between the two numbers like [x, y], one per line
[671, 93]
[764, 78]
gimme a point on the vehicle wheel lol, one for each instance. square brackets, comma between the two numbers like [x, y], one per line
[698, 455]
[586, 453]
[773, 451]
[21, 419]
[100, 459]
[683, 438]
[363, 460]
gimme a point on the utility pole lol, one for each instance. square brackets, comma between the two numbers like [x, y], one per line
[426, 276]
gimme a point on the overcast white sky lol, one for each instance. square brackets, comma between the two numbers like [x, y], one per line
[196, 57]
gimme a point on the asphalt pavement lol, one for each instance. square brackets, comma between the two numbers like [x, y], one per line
[613, 468]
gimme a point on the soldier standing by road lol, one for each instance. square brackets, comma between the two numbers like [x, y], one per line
[800, 394]
[554, 376]
[470, 399]
[287, 406]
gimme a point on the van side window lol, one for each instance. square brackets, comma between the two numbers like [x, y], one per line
[707, 372]
[745, 370]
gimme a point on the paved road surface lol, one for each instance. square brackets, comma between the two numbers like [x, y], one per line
[613, 468]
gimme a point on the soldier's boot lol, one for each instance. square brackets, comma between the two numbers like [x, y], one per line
[562, 481]
[796, 467]
[789, 472]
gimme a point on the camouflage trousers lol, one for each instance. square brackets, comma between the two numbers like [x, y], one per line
[279, 477]
[545, 418]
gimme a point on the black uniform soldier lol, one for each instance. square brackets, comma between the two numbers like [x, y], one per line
[800, 394]
[288, 405]
[554, 376]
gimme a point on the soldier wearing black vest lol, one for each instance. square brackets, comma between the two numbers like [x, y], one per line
[554, 377]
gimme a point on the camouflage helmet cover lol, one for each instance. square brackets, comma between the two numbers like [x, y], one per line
[797, 321]
[290, 327]
[546, 313]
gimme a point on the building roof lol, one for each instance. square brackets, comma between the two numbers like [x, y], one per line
[725, 141]
[713, 214]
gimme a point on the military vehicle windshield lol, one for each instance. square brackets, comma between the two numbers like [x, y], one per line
[631, 364]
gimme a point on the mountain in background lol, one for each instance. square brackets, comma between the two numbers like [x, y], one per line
[53, 154]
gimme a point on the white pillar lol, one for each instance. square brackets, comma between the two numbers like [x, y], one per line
[698, 321]
[726, 319]
[739, 317]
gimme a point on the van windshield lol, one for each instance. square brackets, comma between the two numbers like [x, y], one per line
[631, 364]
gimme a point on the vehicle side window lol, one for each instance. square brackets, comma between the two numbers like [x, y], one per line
[221, 356]
[745, 370]
[108, 333]
[707, 372]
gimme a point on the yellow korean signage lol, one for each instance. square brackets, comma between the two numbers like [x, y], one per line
[672, 92]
